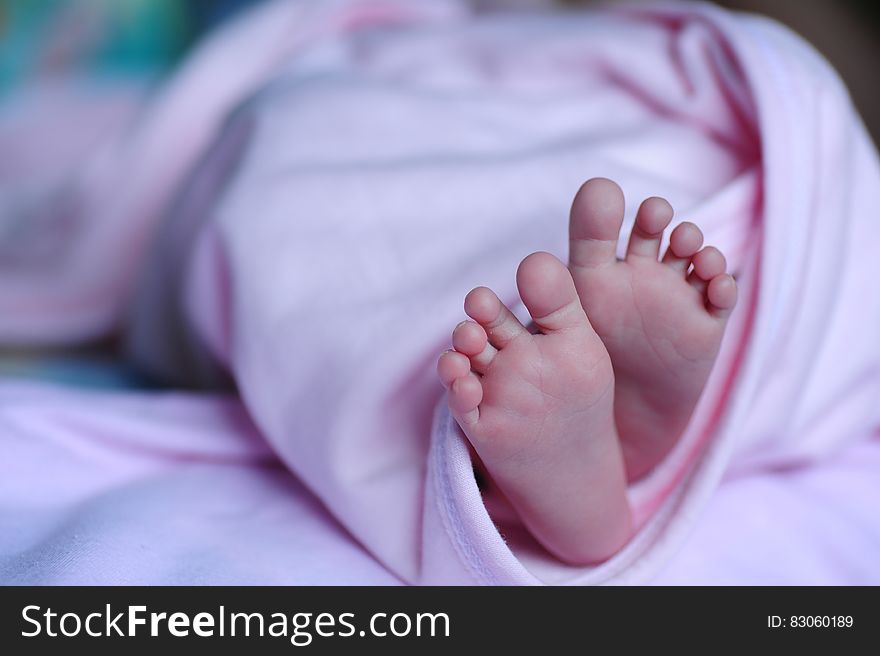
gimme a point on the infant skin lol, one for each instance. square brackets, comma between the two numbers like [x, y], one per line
[564, 413]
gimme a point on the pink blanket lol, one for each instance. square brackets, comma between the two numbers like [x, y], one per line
[302, 211]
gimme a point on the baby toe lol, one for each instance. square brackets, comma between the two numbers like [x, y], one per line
[721, 295]
[548, 291]
[469, 338]
[684, 242]
[594, 224]
[452, 365]
[708, 263]
[465, 396]
[651, 220]
[501, 326]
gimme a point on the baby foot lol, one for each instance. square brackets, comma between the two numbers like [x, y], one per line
[538, 409]
[661, 320]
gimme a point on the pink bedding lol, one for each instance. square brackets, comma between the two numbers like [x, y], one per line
[179, 489]
[287, 216]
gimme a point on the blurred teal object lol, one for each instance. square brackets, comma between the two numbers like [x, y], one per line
[92, 37]
[83, 371]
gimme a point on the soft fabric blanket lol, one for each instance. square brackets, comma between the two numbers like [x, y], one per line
[300, 214]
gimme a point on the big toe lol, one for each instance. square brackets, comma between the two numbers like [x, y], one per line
[594, 225]
[548, 291]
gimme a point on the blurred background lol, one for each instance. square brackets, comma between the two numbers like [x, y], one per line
[143, 39]
[73, 72]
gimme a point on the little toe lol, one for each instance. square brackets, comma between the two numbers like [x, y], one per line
[684, 242]
[651, 220]
[548, 291]
[465, 396]
[452, 365]
[721, 295]
[501, 326]
[594, 224]
[708, 263]
[470, 339]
